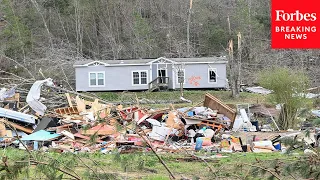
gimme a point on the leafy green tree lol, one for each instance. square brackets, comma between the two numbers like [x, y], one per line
[288, 87]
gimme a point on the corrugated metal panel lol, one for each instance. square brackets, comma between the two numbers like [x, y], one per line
[10, 114]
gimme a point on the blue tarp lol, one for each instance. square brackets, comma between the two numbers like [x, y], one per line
[183, 109]
[41, 135]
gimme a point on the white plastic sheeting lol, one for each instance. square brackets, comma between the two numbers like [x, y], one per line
[34, 96]
[243, 121]
[159, 130]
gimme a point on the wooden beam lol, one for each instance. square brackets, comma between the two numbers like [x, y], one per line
[69, 99]
[21, 128]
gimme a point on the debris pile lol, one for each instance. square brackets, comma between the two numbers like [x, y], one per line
[91, 126]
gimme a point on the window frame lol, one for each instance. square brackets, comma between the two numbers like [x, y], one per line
[184, 76]
[139, 71]
[96, 78]
[215, 70]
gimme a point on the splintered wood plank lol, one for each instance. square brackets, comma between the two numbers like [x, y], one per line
[3, 130]
[69, 99]
[75, 110]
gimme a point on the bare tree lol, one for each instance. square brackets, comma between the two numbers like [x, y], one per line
[188, 28]
[59, 32]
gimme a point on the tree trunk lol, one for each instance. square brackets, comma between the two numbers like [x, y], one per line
[98, 37]
[188, 29]
[234, 67]
[234, 84]
[181, 89]
[287, 117]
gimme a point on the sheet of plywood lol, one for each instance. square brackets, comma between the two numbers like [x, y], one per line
[100, 130]
[215, 104]
[80, 104]
[96, 106]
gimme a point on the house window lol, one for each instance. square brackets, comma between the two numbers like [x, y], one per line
[143, 77]
[96, 78]
[212, 75]
[139, 77]
[136, 78]
[180, 76]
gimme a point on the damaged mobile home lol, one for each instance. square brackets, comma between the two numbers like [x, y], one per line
[151, 74]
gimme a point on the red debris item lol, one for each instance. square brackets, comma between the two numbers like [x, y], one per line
[134, 139]
[125, 113]
[138, 143]
[157, 116]
[103, 115]
[78, 135]
[134, 113]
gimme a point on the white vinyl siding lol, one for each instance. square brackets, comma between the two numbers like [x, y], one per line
[139, 77]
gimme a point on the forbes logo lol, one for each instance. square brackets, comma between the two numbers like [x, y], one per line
[281, 15]
[295, 24]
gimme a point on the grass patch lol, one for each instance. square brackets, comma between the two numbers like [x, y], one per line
[156, 177]
[145, 165]
[193, 95]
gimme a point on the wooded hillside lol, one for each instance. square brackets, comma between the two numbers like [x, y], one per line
[44, 37]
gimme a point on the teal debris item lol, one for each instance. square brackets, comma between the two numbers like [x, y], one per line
[41, 135]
